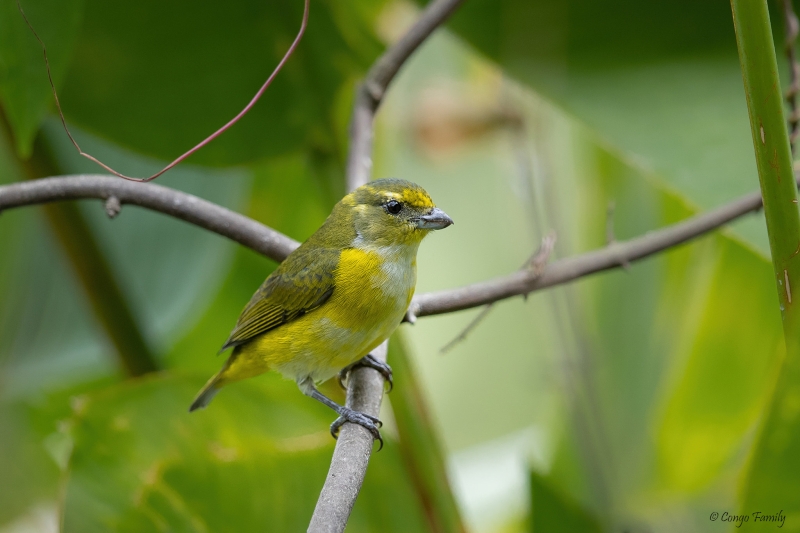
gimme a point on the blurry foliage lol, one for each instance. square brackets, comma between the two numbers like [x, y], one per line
[552, 512]
[256, 464]
[646, 384]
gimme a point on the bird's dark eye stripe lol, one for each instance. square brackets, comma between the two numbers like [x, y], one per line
[393, 206]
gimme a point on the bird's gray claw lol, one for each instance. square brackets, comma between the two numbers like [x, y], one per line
[370, 362]
[369, 422]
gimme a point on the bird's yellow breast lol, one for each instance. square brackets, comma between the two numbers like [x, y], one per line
[373, 287]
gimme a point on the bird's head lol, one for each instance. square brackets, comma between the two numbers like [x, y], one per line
[389, 212]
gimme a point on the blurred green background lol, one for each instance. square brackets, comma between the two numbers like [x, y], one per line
[628, 401]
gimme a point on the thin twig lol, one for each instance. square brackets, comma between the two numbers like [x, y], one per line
[535, 263]
[202, 143]
[792, 28]
[465, 331]
[611, 237]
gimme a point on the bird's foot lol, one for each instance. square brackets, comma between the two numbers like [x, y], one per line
[369, 422]
[370, 362]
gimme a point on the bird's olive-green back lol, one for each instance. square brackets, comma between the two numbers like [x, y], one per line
[305, 279]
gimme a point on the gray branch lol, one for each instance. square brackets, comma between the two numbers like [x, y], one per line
[117, 192]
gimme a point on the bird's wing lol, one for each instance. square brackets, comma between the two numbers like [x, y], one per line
[300, 284]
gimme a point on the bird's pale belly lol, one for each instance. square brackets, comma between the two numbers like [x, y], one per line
[373, 289]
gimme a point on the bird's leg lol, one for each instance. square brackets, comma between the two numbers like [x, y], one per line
[346, 414]
[370, 362]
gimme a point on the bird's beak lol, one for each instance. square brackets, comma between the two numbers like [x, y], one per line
[436, 219]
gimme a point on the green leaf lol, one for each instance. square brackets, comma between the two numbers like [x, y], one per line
[555, 512]
[161, 84]
[34, 450]
[657, 81]
[25, 94]
[722, 373]
[28, 475]
[254, 460]
[419, 442]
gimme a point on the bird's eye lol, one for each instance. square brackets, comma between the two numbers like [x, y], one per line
[393, 206]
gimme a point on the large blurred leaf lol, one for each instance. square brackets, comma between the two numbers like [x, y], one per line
[49, 334]
[610, 351]
[253, 461]
[35, 451]
[24, 90]
[159, 77]
[554, 512]
[718, 389]
[659, 81]
[168, 279]
[27, 473]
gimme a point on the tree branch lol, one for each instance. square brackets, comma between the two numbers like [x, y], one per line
[187, 207]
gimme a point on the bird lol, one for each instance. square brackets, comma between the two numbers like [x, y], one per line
[336, 297]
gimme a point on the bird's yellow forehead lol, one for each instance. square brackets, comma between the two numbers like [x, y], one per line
[382, 191]
[414, 198]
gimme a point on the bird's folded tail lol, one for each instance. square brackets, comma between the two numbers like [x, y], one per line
[207, 393]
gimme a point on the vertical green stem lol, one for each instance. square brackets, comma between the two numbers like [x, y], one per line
[774, 463]
[419, 446]
[103, 292]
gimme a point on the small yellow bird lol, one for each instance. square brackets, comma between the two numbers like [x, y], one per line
[336, 297]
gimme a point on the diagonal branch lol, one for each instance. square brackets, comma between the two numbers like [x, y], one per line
[616, 254]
